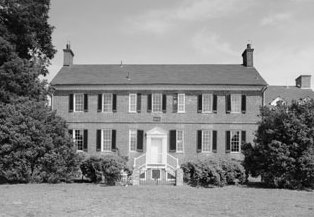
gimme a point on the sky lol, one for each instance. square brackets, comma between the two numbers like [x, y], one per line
[188, 32]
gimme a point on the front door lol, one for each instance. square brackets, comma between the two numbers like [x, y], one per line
[156, 151]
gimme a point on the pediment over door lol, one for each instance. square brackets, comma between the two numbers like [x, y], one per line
[157, 131]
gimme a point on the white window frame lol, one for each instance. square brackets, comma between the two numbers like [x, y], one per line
[102, 140]
[132, 132]
[236, 105]
[74, 102]
[74, 138]
[178, 141]
[182, 104]
[232, 133]
[151, 174]
[103, 102]
[210, 105]
[153, 95]
[132, 104]
[210, 141]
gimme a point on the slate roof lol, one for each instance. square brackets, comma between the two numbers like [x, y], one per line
[287, 93]
[159, 74]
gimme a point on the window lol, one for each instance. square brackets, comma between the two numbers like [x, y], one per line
[207, 103]
[235, 141]
[107, 107]
[79, 102]
[107, 139]
[206, 140]
[235, 103]
[132, 140]
[78, 139]
[157, 102]
[181, 103]
[132, 102]
[180, 143]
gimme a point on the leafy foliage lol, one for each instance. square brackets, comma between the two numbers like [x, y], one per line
[283, 153]
[218, 172]
[35, 146]
[109, 166]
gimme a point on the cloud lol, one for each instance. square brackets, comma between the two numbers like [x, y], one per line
[161, 21]
[275, 19]
[211, 45]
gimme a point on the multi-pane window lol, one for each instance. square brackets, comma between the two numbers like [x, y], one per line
[207, 103]
[132, 102]
[157, 102]
[206, 140]
[132, 139]
[78, 139]
[181, 103]
[180, 143]
[107, 139]
[236, 103]
[235, 141]
[79, 102]
[107, 102]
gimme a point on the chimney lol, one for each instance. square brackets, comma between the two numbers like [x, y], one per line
[247, 56]
[303, 82]
[68, 56]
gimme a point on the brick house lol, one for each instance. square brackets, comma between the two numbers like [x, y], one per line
[160, 115]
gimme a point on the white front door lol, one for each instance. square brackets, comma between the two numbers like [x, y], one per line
[156, 150]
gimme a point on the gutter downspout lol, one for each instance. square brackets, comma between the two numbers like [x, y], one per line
[263, 95]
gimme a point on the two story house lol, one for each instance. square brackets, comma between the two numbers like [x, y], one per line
[160, 115]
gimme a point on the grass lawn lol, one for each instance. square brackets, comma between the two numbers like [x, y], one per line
[96, 200]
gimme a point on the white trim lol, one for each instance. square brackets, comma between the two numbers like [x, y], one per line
[178, 104]
[240, 140]
[161, 99]
[170, 179]
[74, 140]
[102, 140]
[130, 95]
[232, 105]
[130, 130]
[103, 102]
[151, 174]
[74, 101]
[211, 103]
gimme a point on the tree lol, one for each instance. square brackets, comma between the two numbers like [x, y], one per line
[34, 145]
[283, 153]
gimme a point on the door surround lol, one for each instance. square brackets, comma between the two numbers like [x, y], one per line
[156, 133]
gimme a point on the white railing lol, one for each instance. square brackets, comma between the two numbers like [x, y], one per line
[140, 161]
[172, 162]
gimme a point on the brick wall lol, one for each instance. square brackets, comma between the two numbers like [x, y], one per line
[190, 121]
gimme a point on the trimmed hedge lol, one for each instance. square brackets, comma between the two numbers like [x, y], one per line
[108, 166]
[213, 172]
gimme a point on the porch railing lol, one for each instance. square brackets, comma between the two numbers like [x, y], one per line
[140, 161]
[172, 162]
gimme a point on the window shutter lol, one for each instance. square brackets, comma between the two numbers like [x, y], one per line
[85, 145]
[164, 103]
[138, 103]
[71, 103]
[140, 141]
[173, 141]
[243, 104]
[85, 102]
[175, 103]
[214, 141]
[99, 103]
[228, 103]
[227, 141]
[214, 103]
[243, 137]
[149, 103]
[114, 102]
[199, 104]
[113, 140]
[70, 133]
[98, 140]
[199, 141]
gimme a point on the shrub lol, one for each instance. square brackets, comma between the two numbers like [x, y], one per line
[35, 146]
[283, 153]
[218, 172]
[108, 166]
